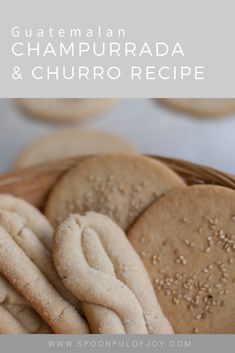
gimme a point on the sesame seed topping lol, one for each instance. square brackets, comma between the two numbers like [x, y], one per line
[207, 250]
[175, 300]
[180, 260]
[218, 285]
[201, 293]
[156, 258]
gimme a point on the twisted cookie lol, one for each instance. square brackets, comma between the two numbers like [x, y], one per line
[27, 264]
[17, 316]
[35, 250]
[31, 215]
[97, 263]
[32, 231]
[25, 276]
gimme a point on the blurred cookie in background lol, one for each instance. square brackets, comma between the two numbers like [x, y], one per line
[65, 110]
[202, 107]
[71, 143]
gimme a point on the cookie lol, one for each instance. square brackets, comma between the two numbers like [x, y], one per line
[35, 250]
[31, 215]
[187, 243]
[33, 285]
[97, 263]
[119, 185]
[65, 110]
[71, 143]
[19, 217]
[30, 236]
[17, 316]
[202, 107]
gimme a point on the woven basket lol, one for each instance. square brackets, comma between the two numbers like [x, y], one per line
[33, 184]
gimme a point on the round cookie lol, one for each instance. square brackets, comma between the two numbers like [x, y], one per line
[118, 185]
[64, 110]
[202, 107]
[187, 243]
[71, 143]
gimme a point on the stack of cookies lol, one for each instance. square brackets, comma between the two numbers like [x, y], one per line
[125, 247]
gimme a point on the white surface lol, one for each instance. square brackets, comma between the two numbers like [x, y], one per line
[150, 126]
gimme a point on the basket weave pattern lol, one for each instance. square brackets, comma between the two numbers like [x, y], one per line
[34, 184]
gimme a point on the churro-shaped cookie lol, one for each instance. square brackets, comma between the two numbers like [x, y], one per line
[15, 305]
[32, 284]
[35, 250]
[32, 231]
[31, 215]
[98, 264]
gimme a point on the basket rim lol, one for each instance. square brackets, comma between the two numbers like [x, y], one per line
[191, 171]
[35, 183]
[194, 173]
